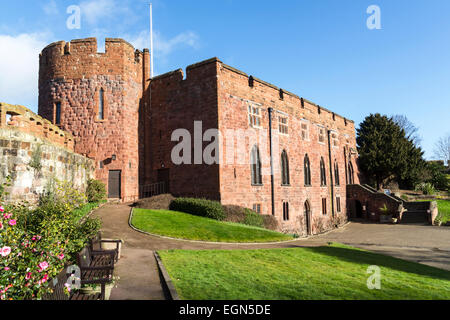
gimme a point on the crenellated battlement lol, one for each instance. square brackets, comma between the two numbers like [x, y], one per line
[80, 59]
[23, 119]
[196, 72]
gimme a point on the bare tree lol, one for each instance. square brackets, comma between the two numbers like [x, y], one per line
[411, 131]
[442, 148]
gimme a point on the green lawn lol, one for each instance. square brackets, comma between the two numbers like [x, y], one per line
[444, 210]
[335, 272]
[185, 226]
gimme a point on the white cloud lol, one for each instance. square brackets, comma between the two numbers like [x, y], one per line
[51, 8]
[95, 10]
[19, 68]
[163, 46]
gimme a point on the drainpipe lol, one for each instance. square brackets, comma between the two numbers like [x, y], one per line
[271, 162]
[331, 172]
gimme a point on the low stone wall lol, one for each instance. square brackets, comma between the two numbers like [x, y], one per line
[33, 161]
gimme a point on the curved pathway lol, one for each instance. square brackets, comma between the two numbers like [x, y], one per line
[139, 277]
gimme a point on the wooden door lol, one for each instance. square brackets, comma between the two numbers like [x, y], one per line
[114, 184]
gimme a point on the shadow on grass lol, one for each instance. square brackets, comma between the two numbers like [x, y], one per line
[370, 258]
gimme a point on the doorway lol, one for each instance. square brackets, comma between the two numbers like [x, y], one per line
[164, 176]
[114, 184]
[359, 209]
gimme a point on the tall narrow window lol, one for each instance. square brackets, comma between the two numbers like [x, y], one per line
[256, 166]
[285, 211]
[307, 170]
[101, 105]
[58, 113]
[350, 174]
[323, 176]
[324, 206]
[336, 173]
[338, 204]
[284, 169]
[304, 130]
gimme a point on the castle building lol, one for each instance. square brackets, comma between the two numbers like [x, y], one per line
[246, 142]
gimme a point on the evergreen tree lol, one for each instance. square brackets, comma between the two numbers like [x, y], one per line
[386, 152]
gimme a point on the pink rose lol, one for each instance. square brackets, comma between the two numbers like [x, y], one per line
[5, 251]
[6, 268]
[43, 265]
[61, 256]
[1, 226]
[12, 222]
[28, 276]
[2, 209]
[7, 215]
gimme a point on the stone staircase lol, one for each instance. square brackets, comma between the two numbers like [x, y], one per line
[417, 213]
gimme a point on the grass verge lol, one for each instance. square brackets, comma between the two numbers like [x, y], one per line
[334, 272]
[81, 212]
[185, 226]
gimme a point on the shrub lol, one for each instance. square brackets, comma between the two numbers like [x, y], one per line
[253, 219]
[62, 194]
[95, 191]
[36, 244]
[234, 213]
[426, 188]
[199, 207]
[270, 222]
[161, 202]
[246, 216]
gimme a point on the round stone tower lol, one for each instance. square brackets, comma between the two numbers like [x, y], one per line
[97, 97]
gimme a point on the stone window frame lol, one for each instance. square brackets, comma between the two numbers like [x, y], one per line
[334, 137]
[283, 124]
[337, 176]
[55, 103]
[285, 211]
[97, 105]
[256, 167]
[324, 206]
[323, 173]
[307, 171]
[319, 135]
[257, 207]
[254, 117]
[285, 174]
[305, 136]
[338, 204]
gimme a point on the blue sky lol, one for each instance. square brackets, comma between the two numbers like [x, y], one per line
[319, 49]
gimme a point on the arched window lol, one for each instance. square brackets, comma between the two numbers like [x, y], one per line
[307, 170]
[336, 173]
[284, 169]
[101, 105]
[323, 176]
[256, 166]
[307, 217]
[351, 179]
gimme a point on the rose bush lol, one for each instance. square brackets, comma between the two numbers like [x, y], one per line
[27, 261]
[37, 243]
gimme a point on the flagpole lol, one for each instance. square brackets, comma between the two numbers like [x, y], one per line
[151, 40]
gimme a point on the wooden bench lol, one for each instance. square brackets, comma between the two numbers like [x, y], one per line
[58, 285]
[95, 245]
[96, 265]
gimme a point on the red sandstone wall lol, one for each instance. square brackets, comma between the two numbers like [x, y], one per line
[175, 103]
[235, 95]
[24, 120]
[73, 74]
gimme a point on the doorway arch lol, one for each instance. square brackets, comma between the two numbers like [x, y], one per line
[307, 215]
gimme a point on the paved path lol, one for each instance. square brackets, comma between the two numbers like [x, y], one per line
[139, 278]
